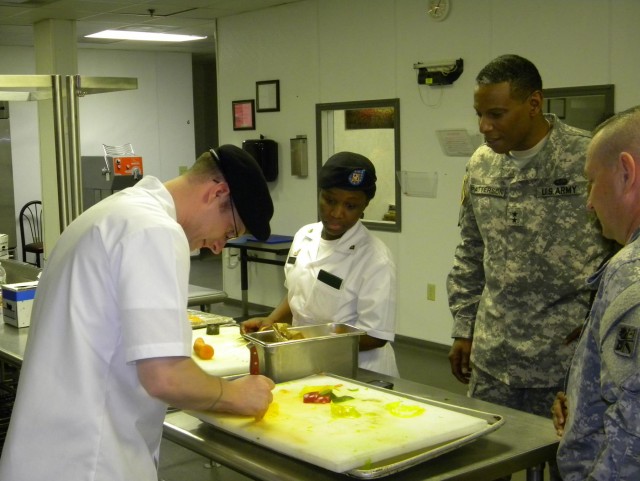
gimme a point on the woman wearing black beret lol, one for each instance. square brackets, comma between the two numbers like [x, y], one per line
[337, 271]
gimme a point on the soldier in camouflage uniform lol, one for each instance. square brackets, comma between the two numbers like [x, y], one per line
[601, 438]
[517, 288]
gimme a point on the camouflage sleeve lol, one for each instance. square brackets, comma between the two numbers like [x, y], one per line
[466, 279]
[620, 381]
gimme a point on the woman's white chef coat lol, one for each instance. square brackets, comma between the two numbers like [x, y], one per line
[354, 283]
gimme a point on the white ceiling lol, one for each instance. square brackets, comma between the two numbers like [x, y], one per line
[194, 17]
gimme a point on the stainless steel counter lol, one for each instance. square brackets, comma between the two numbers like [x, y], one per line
[524, 442]
[12, 344]
[13, 341]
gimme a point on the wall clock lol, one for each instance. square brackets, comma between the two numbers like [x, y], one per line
[439, 9]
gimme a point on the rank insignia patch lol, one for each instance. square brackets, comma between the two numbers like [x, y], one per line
[626, 341]
[514, 217]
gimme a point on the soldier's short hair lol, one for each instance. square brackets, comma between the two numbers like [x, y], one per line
[522, 75]
[620, 133]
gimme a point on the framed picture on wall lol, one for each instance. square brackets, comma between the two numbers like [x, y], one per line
[268, 96]
[243, 114]
[375, 118]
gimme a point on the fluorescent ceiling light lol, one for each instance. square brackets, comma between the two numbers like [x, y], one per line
[144, 36]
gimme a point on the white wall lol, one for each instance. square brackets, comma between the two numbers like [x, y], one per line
[343, 50]
[157, 118]
[25, 149]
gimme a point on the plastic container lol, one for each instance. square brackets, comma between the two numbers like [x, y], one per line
[17, 303]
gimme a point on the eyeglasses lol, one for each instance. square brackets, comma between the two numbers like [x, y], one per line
[235, 233]
[214, 154]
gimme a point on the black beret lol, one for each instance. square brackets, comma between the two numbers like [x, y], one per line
[248, 187]
[348, 171]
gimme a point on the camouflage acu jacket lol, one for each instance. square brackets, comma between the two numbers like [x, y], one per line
[602, 433]
[517, 286]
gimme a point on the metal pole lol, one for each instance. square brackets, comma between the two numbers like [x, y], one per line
[74, 147]
[535, 473]
[61, 164]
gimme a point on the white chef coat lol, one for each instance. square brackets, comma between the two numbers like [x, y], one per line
[355, 284]
[114, 291]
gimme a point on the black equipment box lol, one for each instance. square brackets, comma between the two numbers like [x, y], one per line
[265, 151]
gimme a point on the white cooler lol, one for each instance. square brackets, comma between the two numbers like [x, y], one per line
[17, 300]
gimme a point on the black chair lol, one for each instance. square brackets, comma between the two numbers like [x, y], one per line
[31, 230]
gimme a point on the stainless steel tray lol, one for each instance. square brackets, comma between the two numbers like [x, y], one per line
[201, 319]
[324, 348]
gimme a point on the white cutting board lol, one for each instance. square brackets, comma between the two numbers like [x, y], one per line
[230, 352]
[309, 431]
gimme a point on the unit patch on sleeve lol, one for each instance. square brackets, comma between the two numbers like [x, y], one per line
[626, 340]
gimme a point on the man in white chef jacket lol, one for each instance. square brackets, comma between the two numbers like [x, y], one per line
[110, 343]
[337, 271]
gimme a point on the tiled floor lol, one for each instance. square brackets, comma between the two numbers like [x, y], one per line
[428, 365]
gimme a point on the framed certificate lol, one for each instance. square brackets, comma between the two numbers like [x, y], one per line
[268, 96]
[243, 114]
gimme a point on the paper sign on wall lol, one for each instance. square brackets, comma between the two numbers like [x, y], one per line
[458, 142]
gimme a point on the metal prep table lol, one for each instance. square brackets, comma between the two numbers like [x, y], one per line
[12, 344]
[13, 341]
[204, 297]
[524, 442]
[278, 245]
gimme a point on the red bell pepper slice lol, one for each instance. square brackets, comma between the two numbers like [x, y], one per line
[316, 398]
